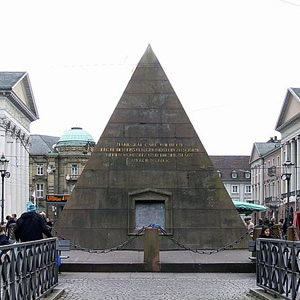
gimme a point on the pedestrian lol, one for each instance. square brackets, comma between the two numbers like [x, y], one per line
[266, 233]
[10, 220]
[43, 216]
[31, 225]
[250, 227]
[3, 238]
[9, 228]
[272, 223]
[285, 227]
[15, 217]
[49, 223]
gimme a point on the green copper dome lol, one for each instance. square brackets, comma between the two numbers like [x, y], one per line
[75, 137]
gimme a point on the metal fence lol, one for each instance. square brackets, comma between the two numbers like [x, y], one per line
[278, 267]
[28, 270]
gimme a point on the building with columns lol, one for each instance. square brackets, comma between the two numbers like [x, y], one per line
[288, 125]
[267, 160]
[17, 111]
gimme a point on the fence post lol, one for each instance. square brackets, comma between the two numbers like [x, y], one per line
[151, 250]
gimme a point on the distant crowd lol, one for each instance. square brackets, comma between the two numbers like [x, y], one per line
[30, 226]
[267, 228]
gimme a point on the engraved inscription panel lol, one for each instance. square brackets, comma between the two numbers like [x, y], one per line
[149, 152]
[149, 212]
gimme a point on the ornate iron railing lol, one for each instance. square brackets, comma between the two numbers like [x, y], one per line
[278, 267]
[28, 270]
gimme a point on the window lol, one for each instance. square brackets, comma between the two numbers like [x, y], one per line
[40, 190]
[248, 189]
[219, 173]
[247, 174]
[234, 189]
[234, 174]
[39, 169]
[74, 169]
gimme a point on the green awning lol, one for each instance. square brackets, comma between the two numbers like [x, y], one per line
[248, 208]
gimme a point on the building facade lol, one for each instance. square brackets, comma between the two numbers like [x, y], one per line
[267, 160]
[55, 165]
[265, 164]
[17, 111]
[235, 174]
[288, 125]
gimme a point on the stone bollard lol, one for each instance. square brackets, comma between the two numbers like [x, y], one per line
[276, 231]
[256, 233]
[290, 234]
[151, 250]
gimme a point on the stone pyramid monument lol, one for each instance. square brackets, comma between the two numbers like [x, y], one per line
[149, 166]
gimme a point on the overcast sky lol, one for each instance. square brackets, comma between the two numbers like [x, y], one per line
[229, 62]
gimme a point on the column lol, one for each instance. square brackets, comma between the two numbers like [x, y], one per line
[261, 183]
[297, 179]
[283, 159]
[2, 141]
[15, 175]
[293, 160]
[9, 154]
[25, 178]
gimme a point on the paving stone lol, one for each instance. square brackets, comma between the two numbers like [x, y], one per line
[157, 286]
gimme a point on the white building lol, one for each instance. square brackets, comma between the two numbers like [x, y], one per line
[288, 125]
[267, 161]
[17, 111]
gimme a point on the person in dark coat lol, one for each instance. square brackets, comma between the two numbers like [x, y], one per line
[31, 225]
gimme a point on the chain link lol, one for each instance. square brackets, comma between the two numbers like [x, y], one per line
[164, 233]
[228, 246]
[119, 247]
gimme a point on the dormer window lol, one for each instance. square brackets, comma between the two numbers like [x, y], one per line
[247, 175]
[234, 174]
[219, 173]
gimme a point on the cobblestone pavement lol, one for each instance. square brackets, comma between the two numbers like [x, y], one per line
[156, 286]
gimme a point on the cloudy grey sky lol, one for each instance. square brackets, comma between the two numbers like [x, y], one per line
[230, 62]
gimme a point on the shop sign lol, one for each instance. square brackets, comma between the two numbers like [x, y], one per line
[57, 198]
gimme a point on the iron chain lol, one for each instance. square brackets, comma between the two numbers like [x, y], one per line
[119, 247]
[228, 246]
[164, 233]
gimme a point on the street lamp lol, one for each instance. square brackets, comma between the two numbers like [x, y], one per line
[4, 173]
[287, 173]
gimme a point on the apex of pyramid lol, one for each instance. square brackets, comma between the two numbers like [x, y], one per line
[149, 56]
